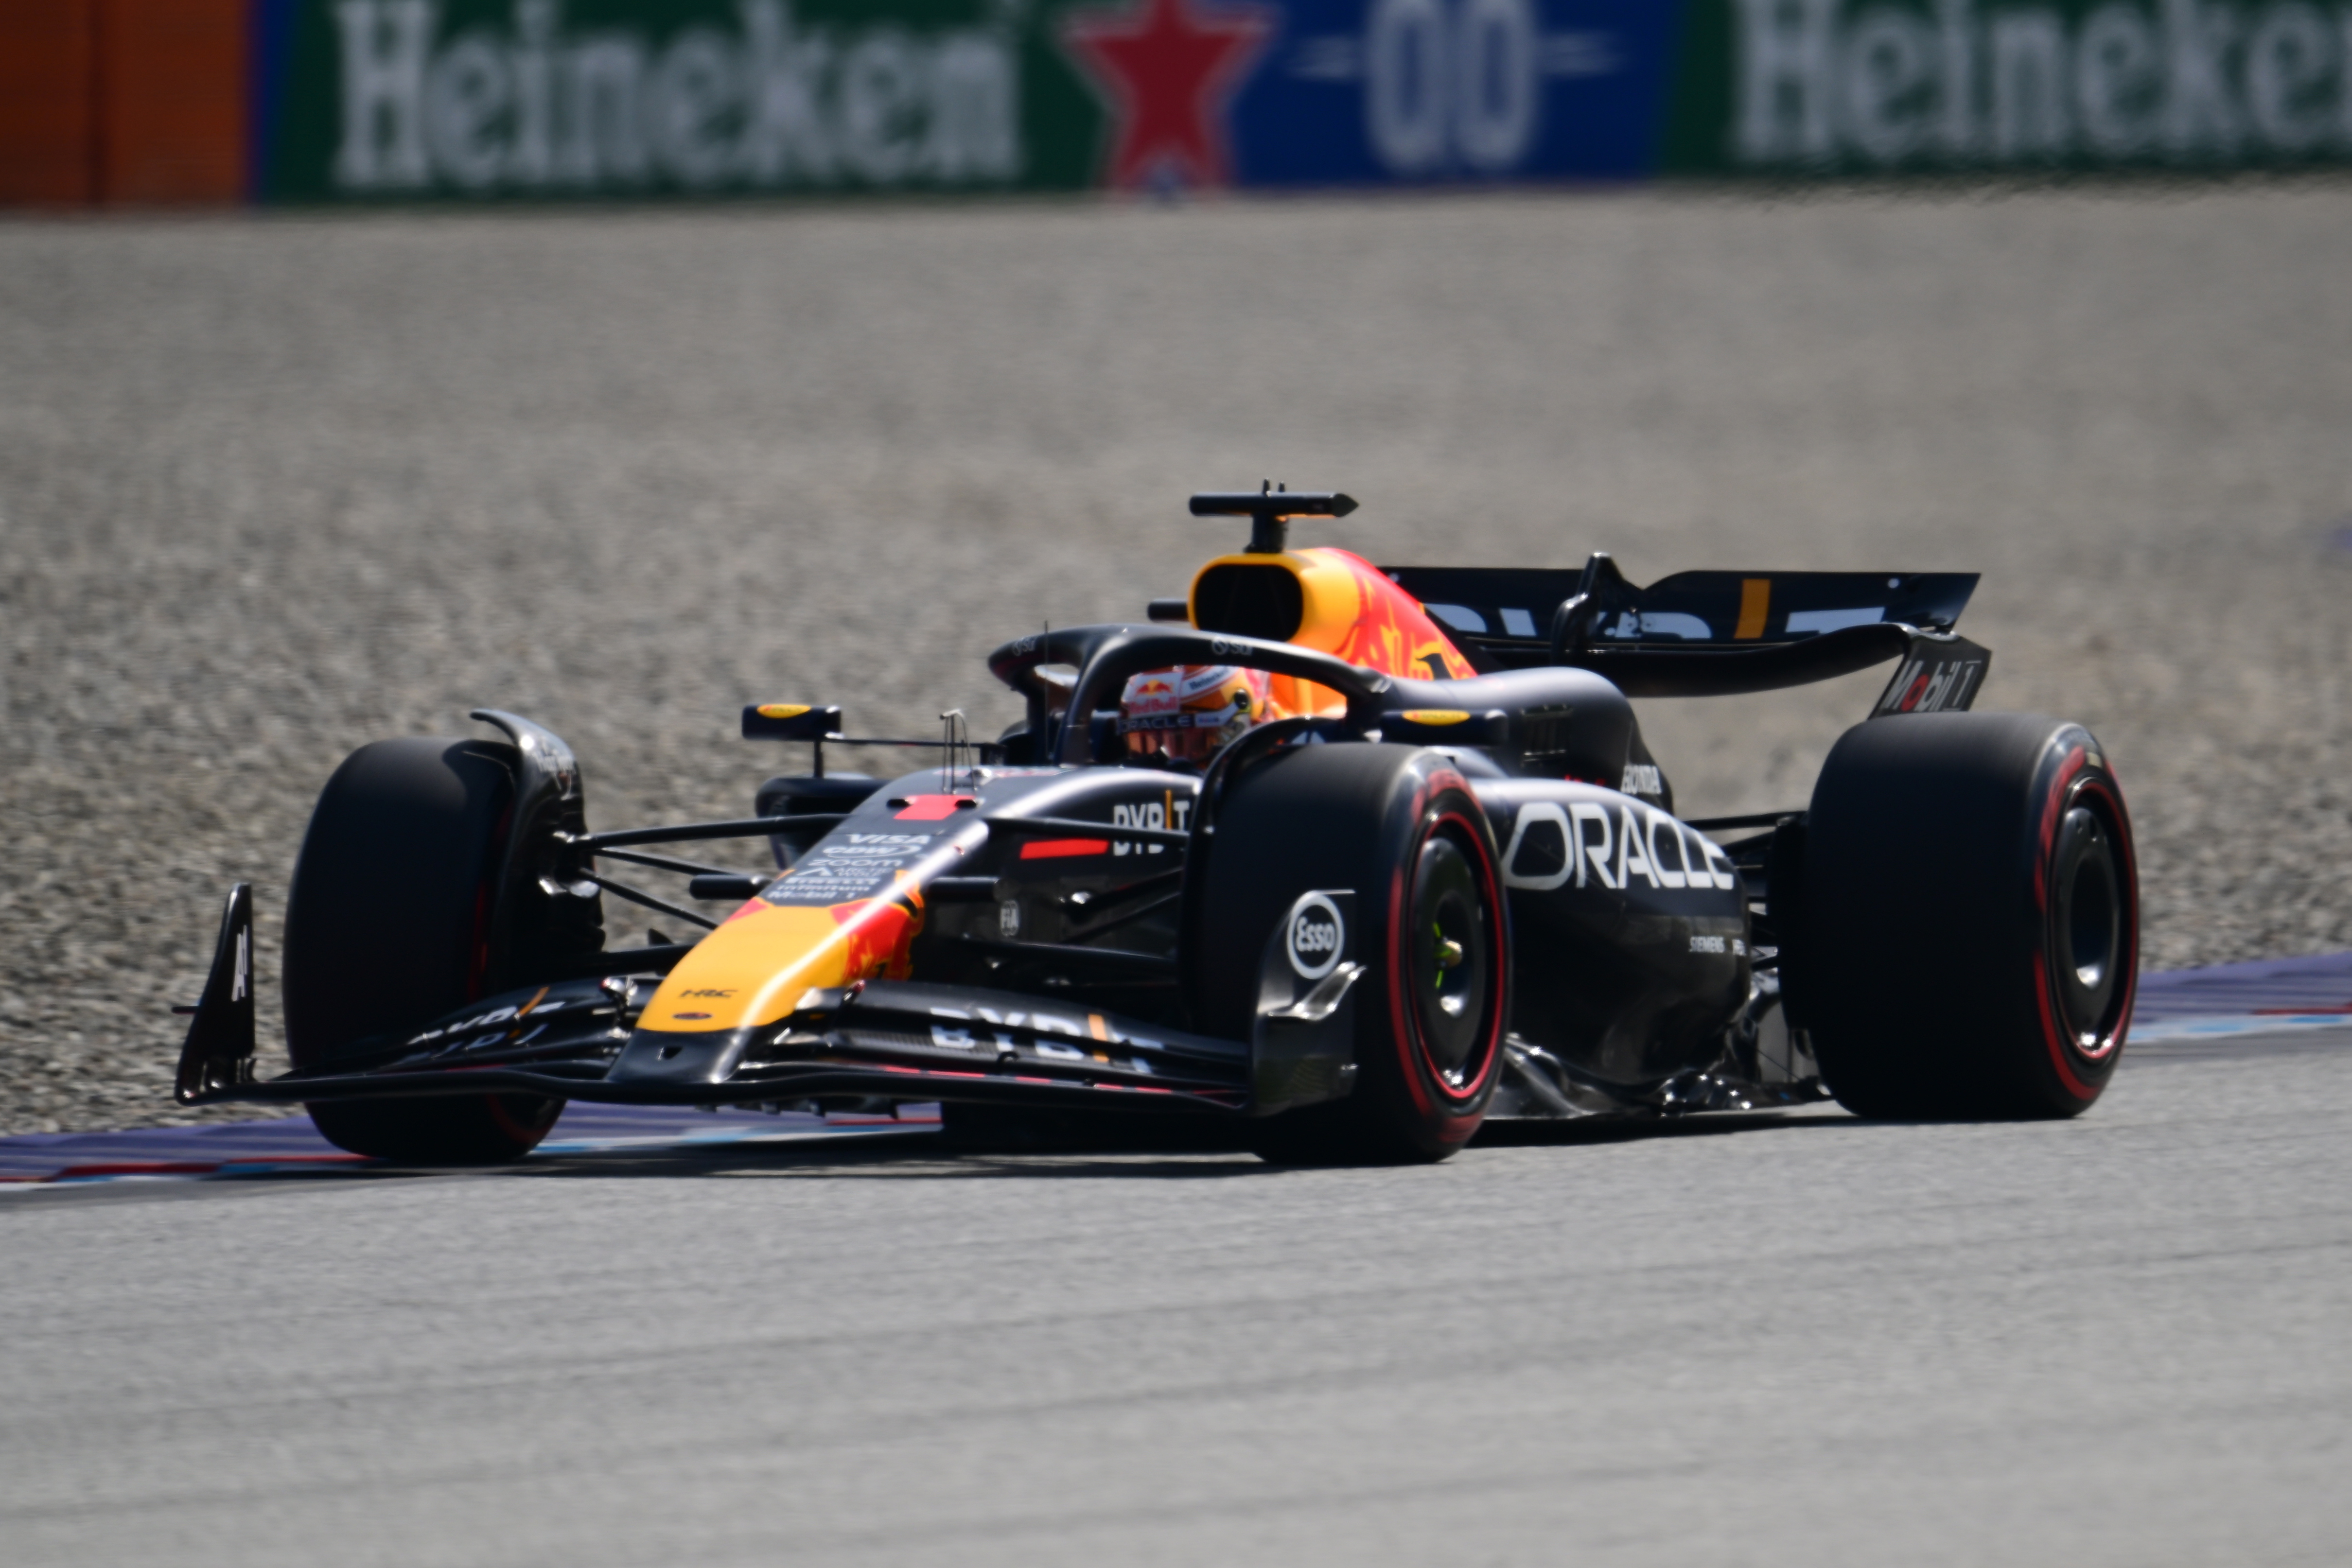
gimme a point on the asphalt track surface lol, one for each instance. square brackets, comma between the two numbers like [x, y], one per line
[1799, 1339]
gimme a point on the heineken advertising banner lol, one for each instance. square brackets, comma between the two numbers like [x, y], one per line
[404, 100]
[409, 100]
[1857, 87]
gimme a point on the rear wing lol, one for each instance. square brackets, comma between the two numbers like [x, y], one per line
[1714, 634]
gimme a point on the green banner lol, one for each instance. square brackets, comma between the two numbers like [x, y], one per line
[404, 100]
[1858, 87]
[412, 99]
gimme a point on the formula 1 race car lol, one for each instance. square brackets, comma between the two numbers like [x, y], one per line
[1406, 865]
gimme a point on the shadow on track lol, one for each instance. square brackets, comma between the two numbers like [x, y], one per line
[1207, 1152]
[921, 1156]
[1531, 1135]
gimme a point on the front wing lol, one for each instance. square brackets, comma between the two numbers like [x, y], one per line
[897, 1039]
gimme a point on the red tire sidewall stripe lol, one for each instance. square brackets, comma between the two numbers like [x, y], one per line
[526, 1135]
[2127, 948]
[2107, 787]
[2062, 1051]
[1400, 1031]
[1456, 1122]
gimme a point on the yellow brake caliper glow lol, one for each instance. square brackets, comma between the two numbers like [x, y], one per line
[1449, 953]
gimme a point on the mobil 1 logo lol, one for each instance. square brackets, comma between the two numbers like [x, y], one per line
[1931, 686]
[1316, 937]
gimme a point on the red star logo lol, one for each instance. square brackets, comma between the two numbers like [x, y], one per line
[1168, 69]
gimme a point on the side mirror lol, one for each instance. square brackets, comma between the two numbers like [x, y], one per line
[790, 721]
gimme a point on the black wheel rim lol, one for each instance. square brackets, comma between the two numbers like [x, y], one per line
[1450, 961]
[2086, 927]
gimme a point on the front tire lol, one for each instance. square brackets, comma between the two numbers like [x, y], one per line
[1969, 942]
[1402, 828]
[391, 922]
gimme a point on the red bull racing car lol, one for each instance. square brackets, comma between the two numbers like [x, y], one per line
[1353, 858]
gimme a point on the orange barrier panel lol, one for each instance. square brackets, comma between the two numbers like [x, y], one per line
[49, 78]
[134, 101]
[172, 101]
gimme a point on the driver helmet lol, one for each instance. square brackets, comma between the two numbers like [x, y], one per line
[1186, 714]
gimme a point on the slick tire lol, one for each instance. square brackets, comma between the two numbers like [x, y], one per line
[391, 922]
[1400, 827]
[1968, 943]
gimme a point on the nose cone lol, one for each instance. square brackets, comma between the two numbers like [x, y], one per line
[751, 971]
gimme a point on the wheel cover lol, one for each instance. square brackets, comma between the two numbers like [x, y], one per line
[1449, 960]
[2091, 931]
[2087, 924]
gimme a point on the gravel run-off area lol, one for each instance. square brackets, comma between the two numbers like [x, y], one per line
[274, 488]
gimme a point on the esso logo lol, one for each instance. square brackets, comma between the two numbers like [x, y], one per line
[1317, 935]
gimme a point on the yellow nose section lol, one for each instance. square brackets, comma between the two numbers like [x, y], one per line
[751, 970]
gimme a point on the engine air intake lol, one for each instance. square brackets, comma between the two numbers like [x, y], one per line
[1239, 600]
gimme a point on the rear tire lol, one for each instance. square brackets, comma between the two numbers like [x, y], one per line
[1402, 828]
[391, 922]
[1969, 942]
